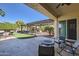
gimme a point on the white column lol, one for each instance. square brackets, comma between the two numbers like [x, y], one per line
[56, 29]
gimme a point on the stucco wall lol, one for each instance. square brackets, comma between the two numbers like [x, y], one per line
[72, 15]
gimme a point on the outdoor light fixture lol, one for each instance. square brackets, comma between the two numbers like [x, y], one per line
[60, 26]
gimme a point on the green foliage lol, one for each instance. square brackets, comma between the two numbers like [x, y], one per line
[2, 13]
[42, 28]
[32, 30]
[19, 23]
[46, 28]
[49, 29]
[7, 26]
[20, 35]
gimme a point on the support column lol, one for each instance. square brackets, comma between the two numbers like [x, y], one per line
[56, 29]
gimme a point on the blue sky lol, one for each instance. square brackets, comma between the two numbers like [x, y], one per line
[14, 12]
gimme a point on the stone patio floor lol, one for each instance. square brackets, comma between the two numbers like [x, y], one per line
[21, 47]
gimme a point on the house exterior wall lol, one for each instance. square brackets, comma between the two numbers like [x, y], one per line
[74, 15]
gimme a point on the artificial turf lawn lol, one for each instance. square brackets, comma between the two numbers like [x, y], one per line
[19, 35]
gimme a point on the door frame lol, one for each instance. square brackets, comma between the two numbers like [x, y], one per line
[67, 28]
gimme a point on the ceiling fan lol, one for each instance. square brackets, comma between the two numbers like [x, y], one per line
[62, 4]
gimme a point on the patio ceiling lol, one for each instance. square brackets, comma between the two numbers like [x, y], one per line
[38, 7]
[50, 10]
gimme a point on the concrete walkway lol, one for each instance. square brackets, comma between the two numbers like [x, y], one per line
[21, 47]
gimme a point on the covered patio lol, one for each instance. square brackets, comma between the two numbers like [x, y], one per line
[24, 47]
[60, 14]
[66, 23]
[65, 16]
[38, 27]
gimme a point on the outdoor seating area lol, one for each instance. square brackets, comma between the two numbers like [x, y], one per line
[54, 32]
[68, 46]
[37, 46]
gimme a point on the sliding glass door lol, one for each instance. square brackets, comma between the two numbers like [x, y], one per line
[68, 29]
[62, 28]
[72, 29]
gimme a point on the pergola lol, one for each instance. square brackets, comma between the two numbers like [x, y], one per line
[37, 24]
[57, 14]
[41, 22]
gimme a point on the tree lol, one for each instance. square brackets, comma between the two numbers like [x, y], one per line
[20, 24]
[2, 13]
[7, 26]
[49, 29]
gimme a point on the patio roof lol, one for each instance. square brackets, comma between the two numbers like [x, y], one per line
[64, 12]
[50, 10]
[42, 22]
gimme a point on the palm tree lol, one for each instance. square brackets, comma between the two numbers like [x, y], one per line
[2, 13]
[20, 24]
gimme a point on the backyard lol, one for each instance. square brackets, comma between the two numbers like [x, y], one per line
[24, 34]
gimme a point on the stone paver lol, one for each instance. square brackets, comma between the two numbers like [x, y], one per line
[20, 47]
[24, 47]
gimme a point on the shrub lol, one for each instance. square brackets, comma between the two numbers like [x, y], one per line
[49, 29]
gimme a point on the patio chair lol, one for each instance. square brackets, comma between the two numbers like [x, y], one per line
[60, 41]
[69, 46]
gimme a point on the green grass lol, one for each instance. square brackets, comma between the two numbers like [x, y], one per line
[19, 35]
